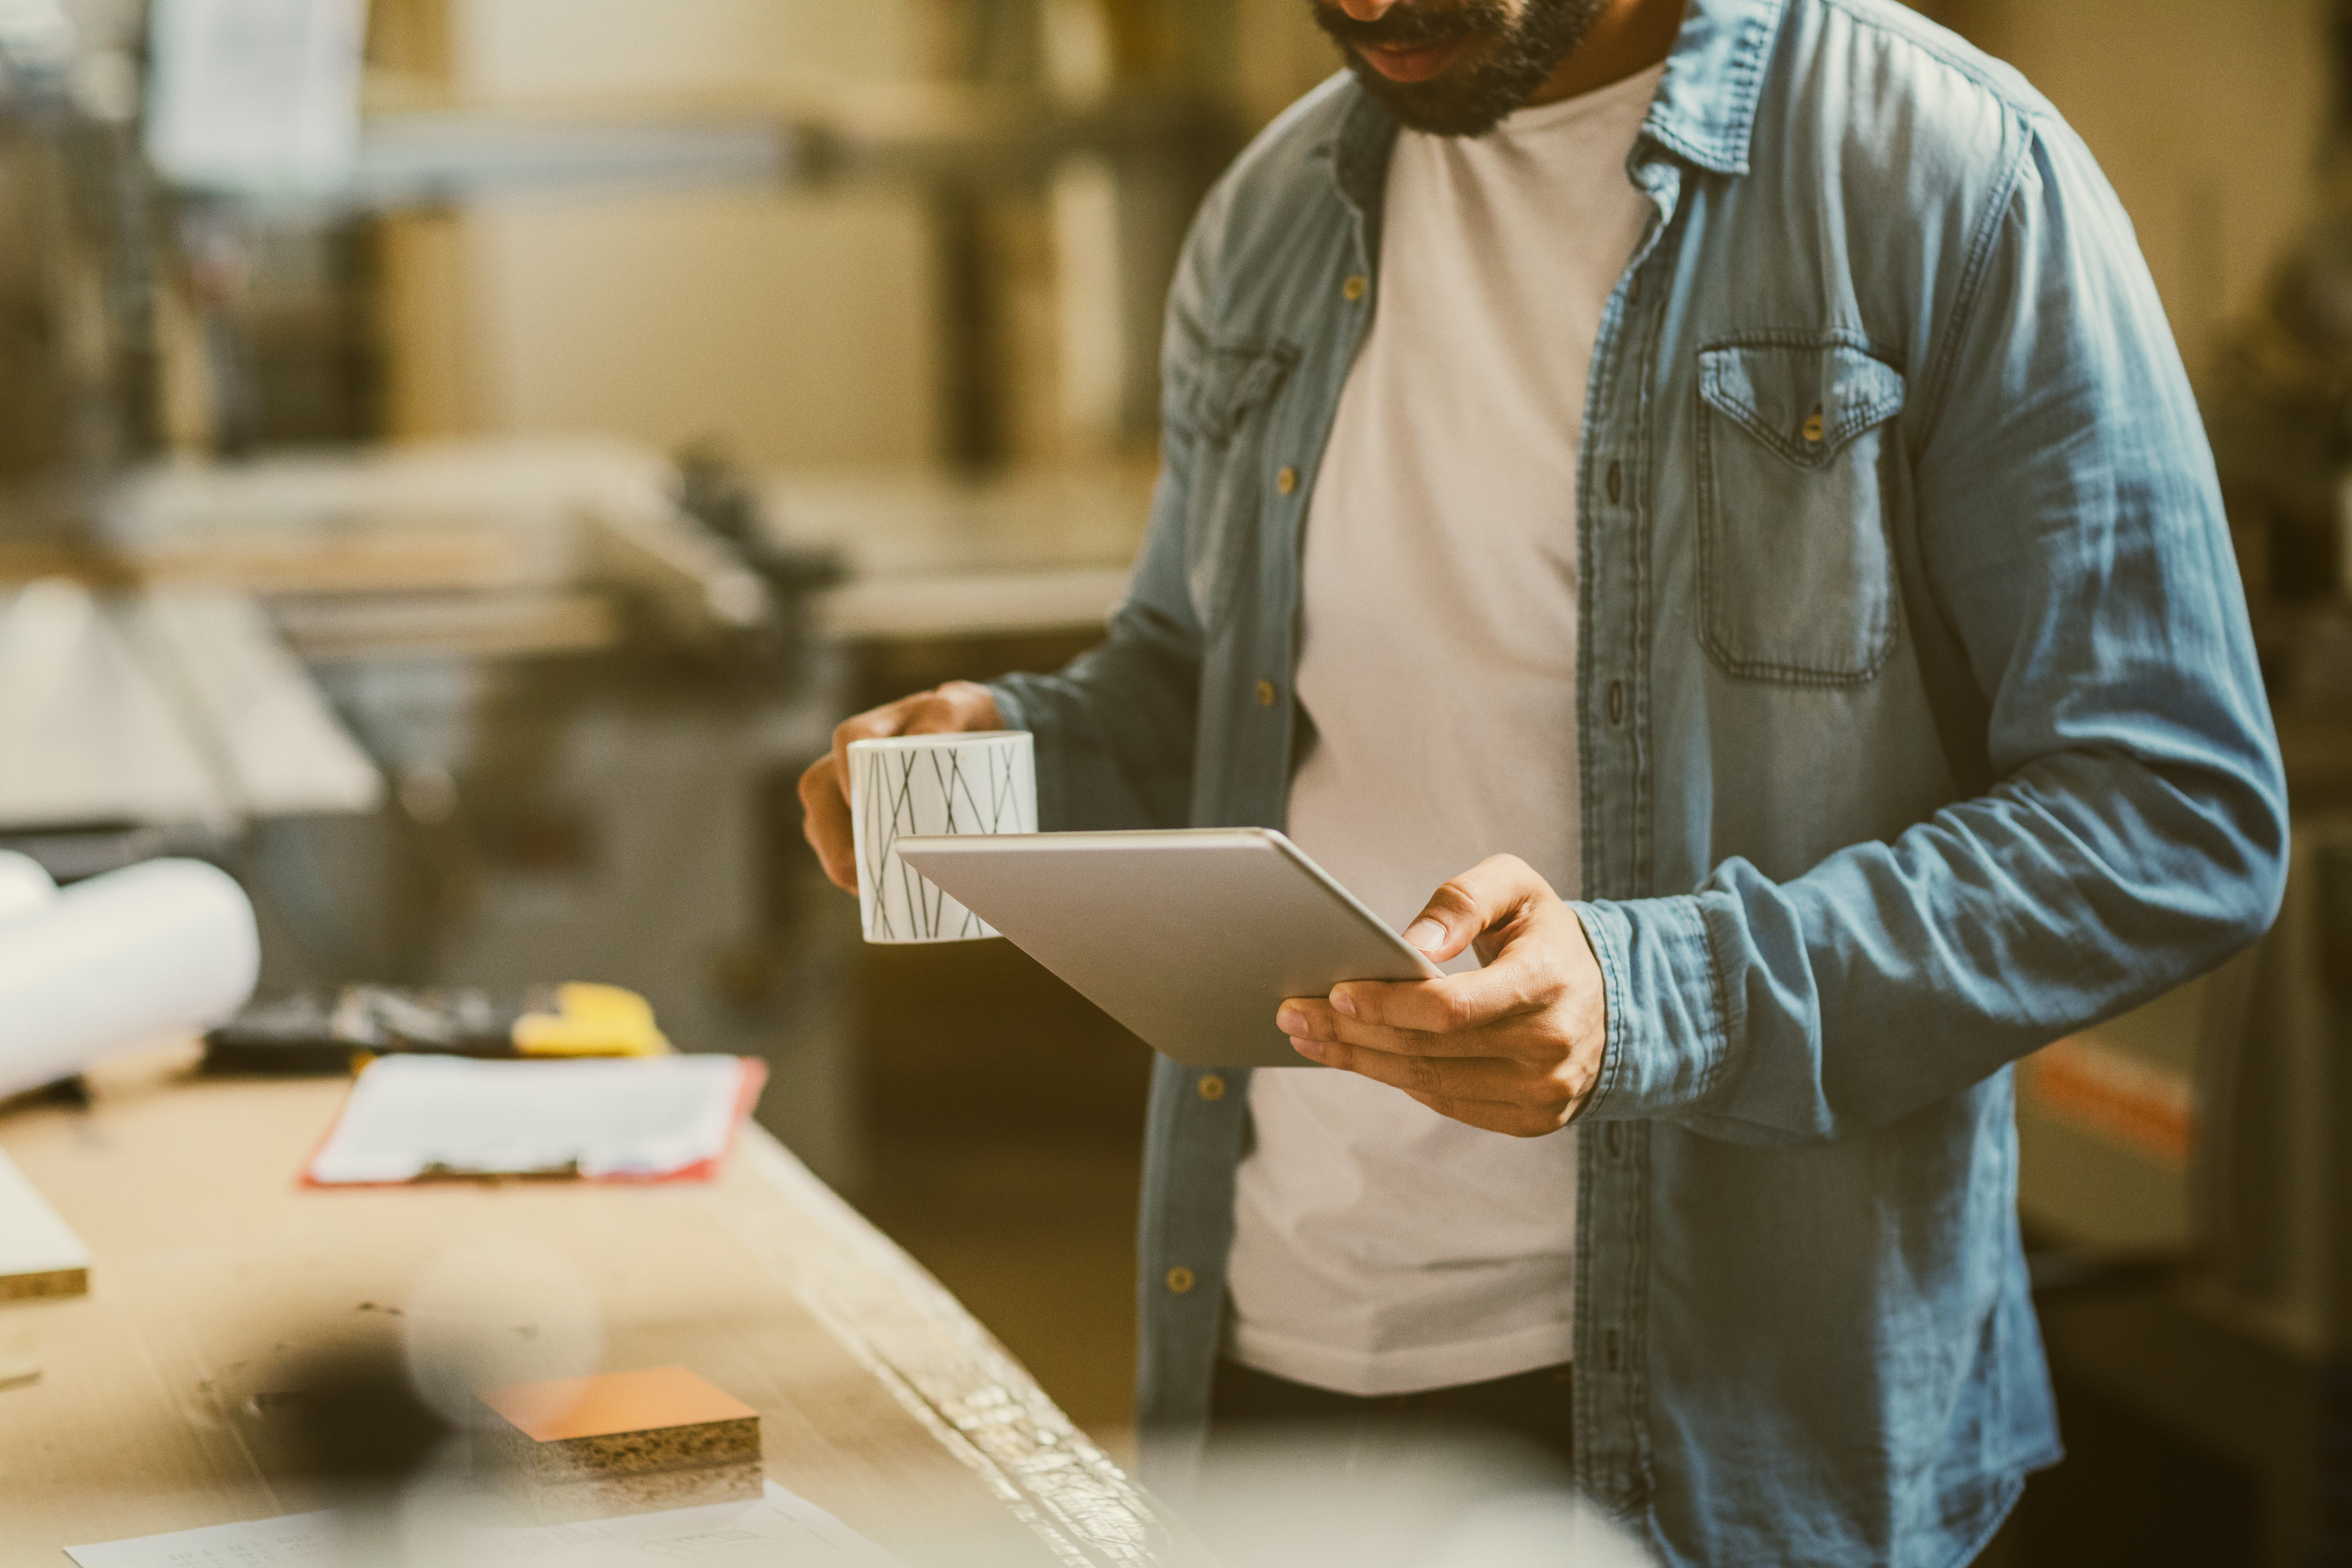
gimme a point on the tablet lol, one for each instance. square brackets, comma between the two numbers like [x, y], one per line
[1191, 937]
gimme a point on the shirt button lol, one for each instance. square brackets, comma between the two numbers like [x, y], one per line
[1266, 693]
[1813, 428]
[1287, 480]
[1616, 481]
[1616, 702]
[1353, 289]
[1214, 1087]
[1180, 1279]
[1615, 1139]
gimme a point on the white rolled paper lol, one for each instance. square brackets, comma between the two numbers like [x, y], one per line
[121, 960]
[981, 782]
[25, 886]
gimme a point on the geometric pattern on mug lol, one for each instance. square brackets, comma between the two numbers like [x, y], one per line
[986, 798]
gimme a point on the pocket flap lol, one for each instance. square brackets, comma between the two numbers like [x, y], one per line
[1233, 378]
[1805, 401]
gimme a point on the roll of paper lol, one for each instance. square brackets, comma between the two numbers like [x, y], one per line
[121, 960]
[25, 887]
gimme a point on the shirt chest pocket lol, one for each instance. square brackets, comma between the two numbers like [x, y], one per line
[1796, 578]
[1230, 407]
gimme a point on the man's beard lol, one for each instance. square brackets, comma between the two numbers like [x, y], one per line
[1508, 61]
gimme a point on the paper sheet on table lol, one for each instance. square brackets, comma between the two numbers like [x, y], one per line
[778, 1531]
[297, 1540]
[627, 1119]
[781, 1530]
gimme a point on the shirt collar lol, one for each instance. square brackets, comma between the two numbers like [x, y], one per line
[1704, 110]
[1706, 106]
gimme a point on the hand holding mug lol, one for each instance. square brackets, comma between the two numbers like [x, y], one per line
[959, 705]
[928, 764]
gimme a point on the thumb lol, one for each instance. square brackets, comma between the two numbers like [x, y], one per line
[958, 705]
[1470, 904]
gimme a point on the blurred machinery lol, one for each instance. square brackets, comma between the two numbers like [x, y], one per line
[583, 675]
[1101, 115]
[497, 714]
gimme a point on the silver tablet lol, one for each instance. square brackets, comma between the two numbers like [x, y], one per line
[1191, 937]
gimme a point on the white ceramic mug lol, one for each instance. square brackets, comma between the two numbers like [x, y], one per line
[980, 782]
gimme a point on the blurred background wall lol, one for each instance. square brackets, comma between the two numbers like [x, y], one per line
[785, 324]
[675, 317]
[2209, 121]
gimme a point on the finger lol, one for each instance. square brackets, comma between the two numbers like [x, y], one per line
[958, 705]
[1488, 1079]
[1533, 964]
[1312, 1018]
[1493, 1118]
[824, 823]
[1516, 985]
[874, 724]
[1468, 904]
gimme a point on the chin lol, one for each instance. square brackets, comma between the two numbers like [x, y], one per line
[1458, 104]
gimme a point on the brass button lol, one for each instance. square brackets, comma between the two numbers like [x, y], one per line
[1353, 289]
[1616, 716]
[1266, 693]
[1214, 1087]
[1180, 1279]
[1287, 480]
[1813, 428]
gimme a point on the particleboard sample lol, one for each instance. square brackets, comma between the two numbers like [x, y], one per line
[659, 1418]
[164, 1394]
[39, 1254]
[568, 1502]
[621, 1442]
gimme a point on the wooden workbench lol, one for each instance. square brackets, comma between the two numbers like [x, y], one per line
[218, 1280]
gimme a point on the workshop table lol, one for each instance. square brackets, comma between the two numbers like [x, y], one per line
[218, 1278]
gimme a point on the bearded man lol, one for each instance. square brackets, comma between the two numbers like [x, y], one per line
[1726, 467]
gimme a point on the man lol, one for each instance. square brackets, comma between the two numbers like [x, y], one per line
[1730, 470]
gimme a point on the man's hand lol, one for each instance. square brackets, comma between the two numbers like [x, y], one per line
[1512, 1047]
[959, 705]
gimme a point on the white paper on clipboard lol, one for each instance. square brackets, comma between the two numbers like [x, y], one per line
[626, 1118]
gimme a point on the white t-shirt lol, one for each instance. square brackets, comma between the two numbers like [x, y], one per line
[1378, 1246]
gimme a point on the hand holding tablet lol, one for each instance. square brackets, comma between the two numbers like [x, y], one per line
[1192, 938]
[1196, 938]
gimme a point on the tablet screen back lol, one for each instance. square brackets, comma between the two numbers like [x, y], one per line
[1192, 938]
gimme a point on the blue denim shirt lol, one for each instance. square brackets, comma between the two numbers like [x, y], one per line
[1919, 725]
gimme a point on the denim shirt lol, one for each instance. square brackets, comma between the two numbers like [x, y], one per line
[1919, 725]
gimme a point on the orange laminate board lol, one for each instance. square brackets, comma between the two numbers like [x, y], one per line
[645, 1400]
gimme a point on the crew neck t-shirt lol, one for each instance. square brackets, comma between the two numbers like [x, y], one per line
[1379, 1248]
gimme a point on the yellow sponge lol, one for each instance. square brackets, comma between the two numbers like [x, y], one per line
[591, 1021]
